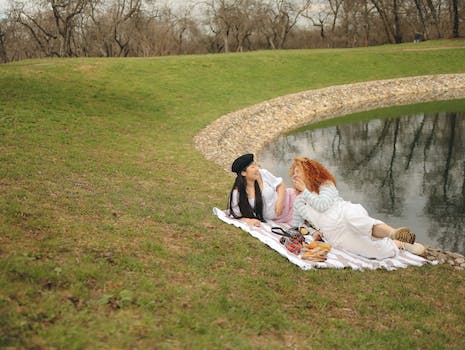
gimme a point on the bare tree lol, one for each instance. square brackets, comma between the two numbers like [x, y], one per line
[232, 22]
[319, 22]
[3, 55]
[183, 28]
[281, 16]
[65, 13]
[320, 17]
[44, 28]
[50, 23]
[219, 13]
[349, 22]
[434, 15]
[38, 25]
[388, 10]
[421, 14]
[455, 19]
[366, 20]
[123, 12]
[115, 25]
[335, 7]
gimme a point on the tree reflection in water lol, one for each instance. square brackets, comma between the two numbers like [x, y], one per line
[405, 171]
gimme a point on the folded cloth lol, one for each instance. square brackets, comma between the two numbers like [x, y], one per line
[336, 258]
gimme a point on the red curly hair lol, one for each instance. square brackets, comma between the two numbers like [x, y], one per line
[315, 173]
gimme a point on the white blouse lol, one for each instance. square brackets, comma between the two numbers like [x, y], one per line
[269, 195]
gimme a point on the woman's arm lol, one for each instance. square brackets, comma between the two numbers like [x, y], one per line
[300, 219]
[251, 222]
[321, 201]
[281, 189]
[235, 208]
[234, 202]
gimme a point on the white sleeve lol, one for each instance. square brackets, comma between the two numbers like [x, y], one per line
[235, 204]
[324, 200]
[268, 177]
[298, 215]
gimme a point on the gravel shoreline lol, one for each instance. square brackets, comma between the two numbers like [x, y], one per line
[249, 129]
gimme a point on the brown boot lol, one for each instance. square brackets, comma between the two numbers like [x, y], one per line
[403, 234]
[416, 248]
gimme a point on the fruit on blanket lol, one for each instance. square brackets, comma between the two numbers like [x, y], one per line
[318, 244]
[316, 251]
[311, 245]
[325, 246]
[303, 230]
[291, 245]
[316, 255]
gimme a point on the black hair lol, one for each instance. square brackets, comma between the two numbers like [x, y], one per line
[244, 206]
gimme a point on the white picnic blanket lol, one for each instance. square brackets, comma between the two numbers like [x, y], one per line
[337, 258]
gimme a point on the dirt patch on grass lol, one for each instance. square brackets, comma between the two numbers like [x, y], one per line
[433, 48]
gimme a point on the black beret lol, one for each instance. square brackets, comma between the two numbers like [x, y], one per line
[242, 162]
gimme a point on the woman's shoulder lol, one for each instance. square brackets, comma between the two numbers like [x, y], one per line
[266, 173]
[328, 184]
[328, 188]
[269, 177]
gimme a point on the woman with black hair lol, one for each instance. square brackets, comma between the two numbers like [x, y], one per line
[257, 195]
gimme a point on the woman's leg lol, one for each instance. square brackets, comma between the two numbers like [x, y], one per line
[381, 230]
[415, 248]
[402, 234]
[367, 246]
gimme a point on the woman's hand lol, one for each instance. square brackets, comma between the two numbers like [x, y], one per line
[317, 236]
[251, 222]
[298, 184]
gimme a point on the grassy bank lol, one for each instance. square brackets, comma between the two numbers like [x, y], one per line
[388, 112]
[106, 233]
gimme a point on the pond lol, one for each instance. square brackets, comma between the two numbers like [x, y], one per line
[405, 165]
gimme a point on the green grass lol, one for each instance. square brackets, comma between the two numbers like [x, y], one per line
[106, 234]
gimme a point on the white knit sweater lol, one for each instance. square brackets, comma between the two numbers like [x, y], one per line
[319, 201]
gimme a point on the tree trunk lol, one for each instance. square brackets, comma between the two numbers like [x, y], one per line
[455, 21]
[385, 20]
[422, 18]
[397, 29]
[434, 14]
[3, 55]
[366, 25]
[226, 41]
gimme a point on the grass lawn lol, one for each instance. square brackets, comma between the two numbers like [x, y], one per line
[106, 234]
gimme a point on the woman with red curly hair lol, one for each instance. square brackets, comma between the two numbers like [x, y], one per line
[341, 223]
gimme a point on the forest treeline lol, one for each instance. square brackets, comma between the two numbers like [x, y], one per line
[121, 28]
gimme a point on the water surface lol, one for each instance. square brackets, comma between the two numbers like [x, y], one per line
[406, 171]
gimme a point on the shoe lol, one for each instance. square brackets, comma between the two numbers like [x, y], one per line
[403, 234]
[415, 248]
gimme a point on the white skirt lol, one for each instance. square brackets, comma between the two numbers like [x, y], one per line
[348, 226]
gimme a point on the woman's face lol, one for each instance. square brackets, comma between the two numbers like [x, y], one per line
[251, 173]
[298, 172]
[299, 179]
